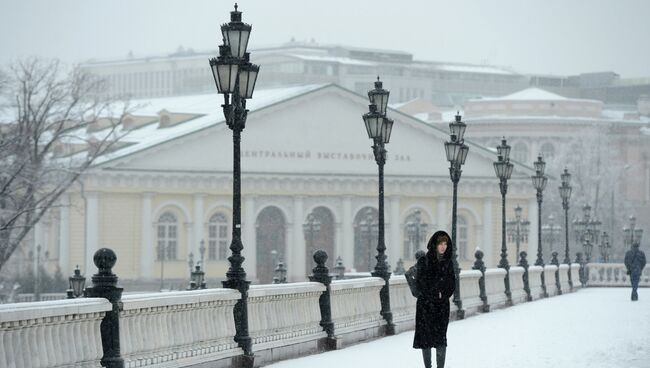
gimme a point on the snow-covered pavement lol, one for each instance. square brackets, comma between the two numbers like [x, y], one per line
[594, 328]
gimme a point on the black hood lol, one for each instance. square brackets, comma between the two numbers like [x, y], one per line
[432, 243]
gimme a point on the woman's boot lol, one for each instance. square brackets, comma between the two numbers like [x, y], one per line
[440, 356]
[426, 355]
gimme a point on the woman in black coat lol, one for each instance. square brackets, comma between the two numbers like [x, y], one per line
[435, 282]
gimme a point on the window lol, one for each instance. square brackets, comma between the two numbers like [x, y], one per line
[520, 152]
[547, 151]
[217, 237]
[167, 236]
[461, 237]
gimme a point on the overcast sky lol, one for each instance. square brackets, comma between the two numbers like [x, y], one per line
[532, 36]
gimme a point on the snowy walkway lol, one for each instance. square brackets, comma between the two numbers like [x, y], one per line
[595, 328]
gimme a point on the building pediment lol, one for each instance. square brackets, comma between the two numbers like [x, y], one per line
[317, 132]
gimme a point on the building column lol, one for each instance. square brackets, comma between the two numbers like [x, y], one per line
[487, 243]
[338, 243]
[396, 247]
[248, 237]
[197, 233]
[64, 234]
[441, 215]
[147, 248]
[92, 231]
[347, 253]
[533, 231]
[297, 242]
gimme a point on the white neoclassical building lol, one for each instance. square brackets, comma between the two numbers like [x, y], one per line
[304, 150]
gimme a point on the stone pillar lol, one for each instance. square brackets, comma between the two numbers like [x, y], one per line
[248, 237]
[347, 220]
[197, 230]
[64, 234]
[297, 242]
[92, 230]
[487, 241]
[338, 245]
[396, 246]
[441, 215]
[147, 247]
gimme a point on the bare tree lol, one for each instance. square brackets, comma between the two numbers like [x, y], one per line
[55, 121]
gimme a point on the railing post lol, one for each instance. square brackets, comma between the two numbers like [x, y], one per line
[105, 286]
[524, 263]
[556, 262]
[479, 265]
[321, 274]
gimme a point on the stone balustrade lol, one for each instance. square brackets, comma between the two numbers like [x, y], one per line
[284, 320]
[197, 328]
[564, 278]
[495, 287]
[535, 282]
[549, 275]
[184, 327]
[62, 333]
[356, 308]
[517, 285]
[402, 303]
[614, 274]
[470, 292]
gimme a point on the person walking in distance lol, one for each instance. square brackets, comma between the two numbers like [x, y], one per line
[635, 262]
[435, 282]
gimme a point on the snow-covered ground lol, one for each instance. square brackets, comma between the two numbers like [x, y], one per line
[594, 328]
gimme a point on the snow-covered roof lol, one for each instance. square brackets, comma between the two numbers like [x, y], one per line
[528, 94]
[333, 59]
[483, 69]
[206, 107]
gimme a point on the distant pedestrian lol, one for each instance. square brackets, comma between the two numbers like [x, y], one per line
[435, 282]
[635, 262]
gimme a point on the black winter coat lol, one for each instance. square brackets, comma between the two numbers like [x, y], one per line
[434, 278]
[634, 260]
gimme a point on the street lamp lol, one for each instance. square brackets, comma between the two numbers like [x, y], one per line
[456, 151]
[604, 247]
[77, 283]
[503, 169]
[632, 235]
[518, 229]
[565, 193]
[197, 278]
[539, 183]
[311, 228]
[415, 231]
[235, 77]
[586, 231]
[550, 232]
[379, 128]
[280, 273]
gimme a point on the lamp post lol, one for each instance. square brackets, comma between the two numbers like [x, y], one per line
[235, 78]
[550, 232]
[77, 283]
[379, 128]
[604, 247]
[415, 230]
[280, 273]
[456, 151]
[632, 235]
[503, 169]
[311, 228]
[539, 183]
[518, 229]
[565, 193]
[586, 231]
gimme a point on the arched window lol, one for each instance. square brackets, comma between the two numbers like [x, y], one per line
[520, 152]
[217, 237]
[547, 151]
[415, 234]
[167, 236]
[461, 237]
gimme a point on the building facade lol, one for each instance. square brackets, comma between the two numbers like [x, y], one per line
[304, 151]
